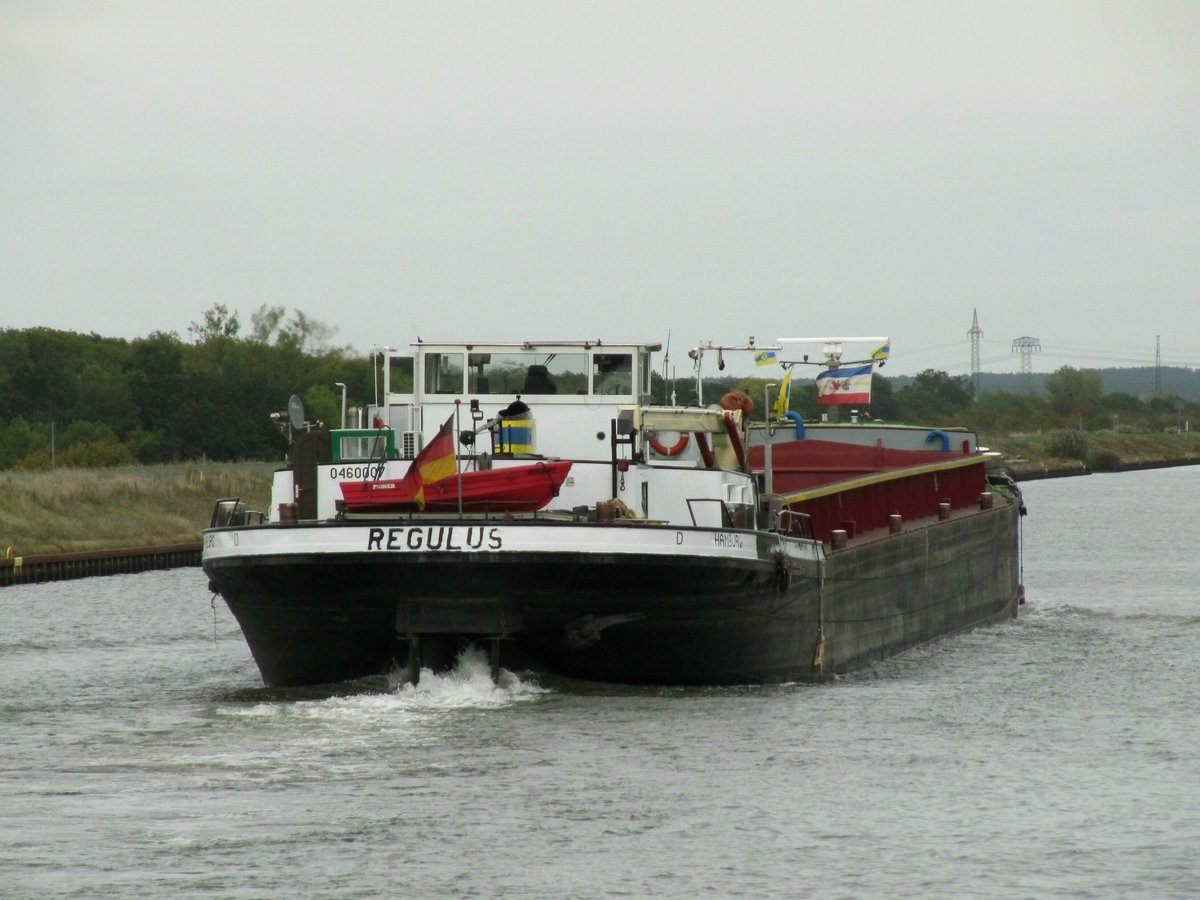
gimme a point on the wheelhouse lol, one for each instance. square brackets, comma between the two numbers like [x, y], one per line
[564, 384]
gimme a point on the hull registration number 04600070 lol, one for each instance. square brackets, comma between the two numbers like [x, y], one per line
[364, 472]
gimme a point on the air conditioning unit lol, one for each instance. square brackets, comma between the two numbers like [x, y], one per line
[410, 444]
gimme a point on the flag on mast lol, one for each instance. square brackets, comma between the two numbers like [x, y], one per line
[435, 462]
[764, 357]
[847, 386]
[882, 353]
[784, 401]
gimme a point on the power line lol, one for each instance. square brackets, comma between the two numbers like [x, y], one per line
[1129, 360]
[1056, 351]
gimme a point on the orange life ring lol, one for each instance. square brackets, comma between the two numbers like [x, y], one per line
[674, 450]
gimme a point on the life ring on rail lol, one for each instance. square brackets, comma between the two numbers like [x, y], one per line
[674, 450]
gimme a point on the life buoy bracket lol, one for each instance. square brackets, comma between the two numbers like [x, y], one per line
[674, 450]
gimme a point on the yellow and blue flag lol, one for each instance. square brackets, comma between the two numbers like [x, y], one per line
[764, 357]
[883, 352]
[784, 401]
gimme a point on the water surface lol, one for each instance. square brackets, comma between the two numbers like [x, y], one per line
[1054, 756]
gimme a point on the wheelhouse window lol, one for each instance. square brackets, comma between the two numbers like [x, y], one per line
[400, 375]
[443, 373]
[612, 374]
[363, 446]
[508, 374]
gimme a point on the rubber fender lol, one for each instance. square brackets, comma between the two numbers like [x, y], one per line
[939, 436]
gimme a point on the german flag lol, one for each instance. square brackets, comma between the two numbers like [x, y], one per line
[435, 462]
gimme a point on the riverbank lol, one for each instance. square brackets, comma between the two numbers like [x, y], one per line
[1065, 453]
[80, 511]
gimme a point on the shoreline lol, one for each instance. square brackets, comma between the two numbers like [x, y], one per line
[42, 567]
[1024, 470]
[39, 567]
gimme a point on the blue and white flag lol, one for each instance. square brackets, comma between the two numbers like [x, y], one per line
[845, 387]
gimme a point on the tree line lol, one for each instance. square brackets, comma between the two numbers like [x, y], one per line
[82, 400]
[1070, 400]
[91, 401]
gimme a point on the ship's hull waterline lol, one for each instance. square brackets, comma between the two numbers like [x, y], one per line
[622, 603]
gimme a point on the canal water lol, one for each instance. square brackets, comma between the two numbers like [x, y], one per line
[1054, 756]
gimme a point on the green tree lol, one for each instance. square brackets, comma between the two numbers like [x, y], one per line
[7, 395]
[82, 431]
[95, 455]
[18, 440]
[46, 375]
[935, 398]
[105, 395]
[1124, 411]
[1074, 394]
[1004, 412]
[300, 333]
[265, 323]
[162, 399]
[218, 322]
[156, 378]
[322, 405]
[884, 404]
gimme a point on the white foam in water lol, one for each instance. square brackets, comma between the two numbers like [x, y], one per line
[468, 685]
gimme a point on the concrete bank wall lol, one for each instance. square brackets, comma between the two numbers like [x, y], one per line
[59, 566]
[1023, 470]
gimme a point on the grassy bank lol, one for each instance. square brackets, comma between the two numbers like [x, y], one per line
[1097, 451]
[73, 509]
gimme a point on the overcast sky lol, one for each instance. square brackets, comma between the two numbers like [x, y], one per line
[561, 170]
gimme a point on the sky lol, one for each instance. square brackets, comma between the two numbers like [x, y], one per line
[625, 171]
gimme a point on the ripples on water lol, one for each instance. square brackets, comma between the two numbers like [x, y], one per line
[1053, 756]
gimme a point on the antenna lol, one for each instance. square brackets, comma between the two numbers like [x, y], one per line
[832, 350]
[975, 334]
[666, 364]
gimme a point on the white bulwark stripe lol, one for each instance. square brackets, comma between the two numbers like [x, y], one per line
[466, 537]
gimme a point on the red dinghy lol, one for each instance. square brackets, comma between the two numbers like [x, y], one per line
[511, 489]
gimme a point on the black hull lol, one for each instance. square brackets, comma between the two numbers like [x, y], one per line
[627, 618]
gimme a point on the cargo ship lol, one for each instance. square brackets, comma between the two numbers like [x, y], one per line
[672, 544]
